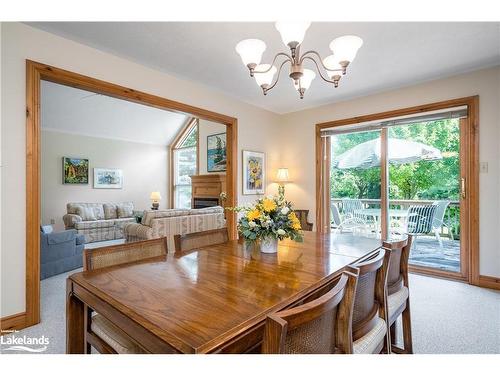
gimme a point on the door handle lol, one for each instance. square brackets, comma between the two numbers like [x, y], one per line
[463, 188]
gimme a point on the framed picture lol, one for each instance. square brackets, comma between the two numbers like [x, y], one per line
[254, 172]
[108, 178]
[216, 153]
[75, 171]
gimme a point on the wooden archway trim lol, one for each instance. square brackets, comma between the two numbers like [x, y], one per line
[35, 72]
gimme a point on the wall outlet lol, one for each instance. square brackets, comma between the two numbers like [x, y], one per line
[483, 167]
[52, 221]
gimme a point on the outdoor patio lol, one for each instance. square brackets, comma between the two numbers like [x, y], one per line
[426, 252]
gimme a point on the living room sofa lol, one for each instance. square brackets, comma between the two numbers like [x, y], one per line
[99, 221]
[167, 223]
[60, 252]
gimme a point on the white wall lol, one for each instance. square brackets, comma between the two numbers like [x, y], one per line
[257, 128]
[144, 169]
[298, 133]
[205, 129]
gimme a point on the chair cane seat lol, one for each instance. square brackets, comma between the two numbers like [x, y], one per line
[371, 341]
[113, 336]
[396, 300]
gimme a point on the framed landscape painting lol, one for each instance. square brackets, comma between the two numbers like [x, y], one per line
[254, 172]
[75, 171]
[108, 178]
[216, 153]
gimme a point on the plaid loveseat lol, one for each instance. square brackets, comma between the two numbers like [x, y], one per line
[99, 221]
[167, 223]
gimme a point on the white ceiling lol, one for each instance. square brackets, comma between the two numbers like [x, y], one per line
[76, 111]
[393, 54]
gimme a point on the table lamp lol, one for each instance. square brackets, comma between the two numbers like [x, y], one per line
[282, 178]
[155, 199]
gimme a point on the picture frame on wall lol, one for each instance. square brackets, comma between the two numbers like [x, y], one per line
[254, 172]
[108, 178]
[75, 171]
[216, 153]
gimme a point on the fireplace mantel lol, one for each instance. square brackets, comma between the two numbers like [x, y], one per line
[207, 187]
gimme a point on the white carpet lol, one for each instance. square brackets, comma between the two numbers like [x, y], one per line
[447, 316]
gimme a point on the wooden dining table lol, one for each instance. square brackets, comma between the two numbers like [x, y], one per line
[214, 299]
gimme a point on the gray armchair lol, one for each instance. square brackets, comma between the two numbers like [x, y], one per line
[60, 252]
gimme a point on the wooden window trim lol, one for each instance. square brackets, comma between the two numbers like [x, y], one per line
[35, 72]
[471, 174]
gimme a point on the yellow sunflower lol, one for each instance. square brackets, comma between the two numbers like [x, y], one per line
[252, 215]
[268, 205]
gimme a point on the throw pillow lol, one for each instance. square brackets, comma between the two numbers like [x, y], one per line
[110, 211]
[99, 212]
[125, 209]
[86, 213]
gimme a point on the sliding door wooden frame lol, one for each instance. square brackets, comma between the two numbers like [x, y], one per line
[470, 157]
[35, 72]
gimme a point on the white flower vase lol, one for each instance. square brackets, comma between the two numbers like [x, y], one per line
[269, 245]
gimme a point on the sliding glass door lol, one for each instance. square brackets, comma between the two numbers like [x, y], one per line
[424, 191]
[355, 184]
[403, 177]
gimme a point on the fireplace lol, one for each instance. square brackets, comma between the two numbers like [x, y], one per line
[206, 190]
[205, 202]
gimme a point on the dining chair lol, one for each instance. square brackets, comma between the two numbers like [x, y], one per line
[319, 326]
[370, 318]
[302, 216]
[398, 293]
[187, 242]
[100, 333]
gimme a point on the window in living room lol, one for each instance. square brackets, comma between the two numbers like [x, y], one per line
[185, 164]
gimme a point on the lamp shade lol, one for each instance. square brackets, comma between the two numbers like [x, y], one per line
[306, 79]
[345, 47]
[264, 78]
[155, 196]
[282, 175]
[331, 62]
[251, 50]
[292, 32]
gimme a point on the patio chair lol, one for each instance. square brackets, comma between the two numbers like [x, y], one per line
[419, 220]
[438, 220]
[349, 223]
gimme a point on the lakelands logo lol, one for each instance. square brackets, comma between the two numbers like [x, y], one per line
[23, 343]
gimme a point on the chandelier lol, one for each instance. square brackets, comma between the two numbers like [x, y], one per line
[344, 50]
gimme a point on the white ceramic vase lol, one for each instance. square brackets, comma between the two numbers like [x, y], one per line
[269, 245]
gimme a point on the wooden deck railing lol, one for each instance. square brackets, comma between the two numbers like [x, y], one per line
[452, 214]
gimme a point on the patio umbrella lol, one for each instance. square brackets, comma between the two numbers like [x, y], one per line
[367, 155]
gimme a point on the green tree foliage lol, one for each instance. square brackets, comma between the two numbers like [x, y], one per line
[436, 179]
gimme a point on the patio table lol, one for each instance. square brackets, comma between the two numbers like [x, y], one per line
[376, 213]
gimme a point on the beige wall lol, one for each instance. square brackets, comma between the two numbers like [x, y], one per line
[257, 128]
[144, 169]
[207, 128]
[298, 132]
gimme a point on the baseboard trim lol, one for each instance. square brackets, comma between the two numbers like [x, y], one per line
[489, 282]
[13, 322]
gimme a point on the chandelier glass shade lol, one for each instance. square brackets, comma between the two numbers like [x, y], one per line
[330, 69]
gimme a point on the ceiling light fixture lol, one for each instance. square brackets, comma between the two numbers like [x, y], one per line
[344, 51]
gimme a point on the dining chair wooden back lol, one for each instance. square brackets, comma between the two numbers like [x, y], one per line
[320, 326]
[187, 242]
[369, 321]
[115, 255]
[304, 223]
[100, 333]
[398, 293]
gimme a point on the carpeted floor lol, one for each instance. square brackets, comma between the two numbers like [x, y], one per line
[447, 316]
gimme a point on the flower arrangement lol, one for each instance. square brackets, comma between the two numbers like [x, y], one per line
[270, 217]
